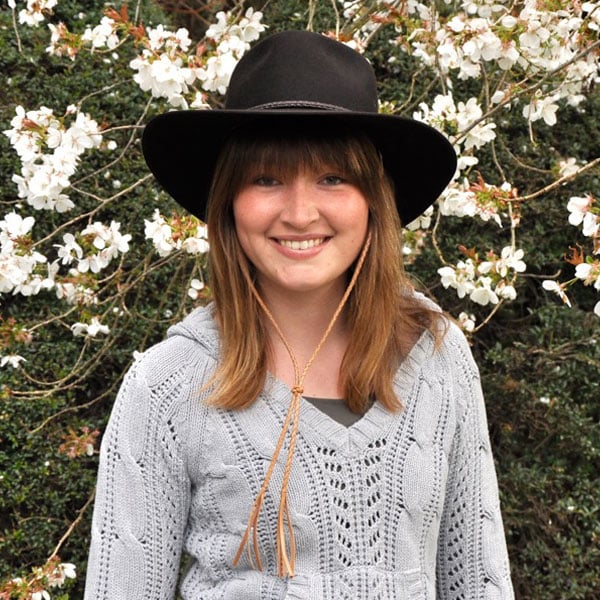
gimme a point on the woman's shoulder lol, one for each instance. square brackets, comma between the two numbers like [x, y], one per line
[198, 328]
[191, 342]
[445, 336]
[162, 384]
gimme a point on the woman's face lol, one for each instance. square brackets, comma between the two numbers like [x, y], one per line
[301, 232]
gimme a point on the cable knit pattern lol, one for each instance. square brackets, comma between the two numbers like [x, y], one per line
[395, 507]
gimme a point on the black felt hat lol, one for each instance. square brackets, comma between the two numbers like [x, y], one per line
[298, 78]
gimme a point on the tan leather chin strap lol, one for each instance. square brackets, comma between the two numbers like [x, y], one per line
[286, 558]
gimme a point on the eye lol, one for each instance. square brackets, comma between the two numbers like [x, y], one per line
[332, 180]
[265, 181]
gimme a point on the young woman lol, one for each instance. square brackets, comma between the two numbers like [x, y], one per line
[318, 431]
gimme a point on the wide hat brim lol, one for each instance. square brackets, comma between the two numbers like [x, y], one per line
[182, 147]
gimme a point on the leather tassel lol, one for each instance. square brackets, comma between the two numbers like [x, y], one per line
[286, 544]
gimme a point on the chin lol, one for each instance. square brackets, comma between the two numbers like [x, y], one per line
[308, 287]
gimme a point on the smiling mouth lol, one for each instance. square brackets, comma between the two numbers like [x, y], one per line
[301, 244]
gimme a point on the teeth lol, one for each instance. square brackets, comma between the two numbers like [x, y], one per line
[301, 245]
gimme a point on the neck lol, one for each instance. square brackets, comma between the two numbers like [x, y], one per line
[304, 317]
[303, 323]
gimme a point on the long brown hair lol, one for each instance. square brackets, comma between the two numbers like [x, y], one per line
[384, 316]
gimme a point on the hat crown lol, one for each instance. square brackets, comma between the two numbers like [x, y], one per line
[301, 69]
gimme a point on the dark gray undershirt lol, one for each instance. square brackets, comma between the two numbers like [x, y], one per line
[336, 409]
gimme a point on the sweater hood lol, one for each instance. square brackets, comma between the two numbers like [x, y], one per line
[199, 326]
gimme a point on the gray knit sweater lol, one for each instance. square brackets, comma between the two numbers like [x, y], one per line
[397, 507]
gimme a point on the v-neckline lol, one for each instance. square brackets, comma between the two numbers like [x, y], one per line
[317, 426]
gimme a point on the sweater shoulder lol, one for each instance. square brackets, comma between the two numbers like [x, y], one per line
[190, 345]
[456, 346]
[170, 359]
[161, 387]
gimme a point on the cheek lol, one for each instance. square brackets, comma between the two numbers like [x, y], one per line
[364, 216]
[357, 217]
[250, 223]
[241, 208]
[252, 212]
[244, 216]
[241, 223]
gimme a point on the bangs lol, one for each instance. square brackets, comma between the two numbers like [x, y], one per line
[291, 151]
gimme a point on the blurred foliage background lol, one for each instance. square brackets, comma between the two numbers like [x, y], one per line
[540, 361]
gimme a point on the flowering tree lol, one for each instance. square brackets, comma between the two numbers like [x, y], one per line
[485, 63]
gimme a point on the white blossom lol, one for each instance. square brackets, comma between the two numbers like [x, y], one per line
[510, 259]
[233, 40]
[187, 237]
[467, 321]
[13, 225]
[74, 292]
[217, 72]
[18, 262]
[568, 167]
[483, 293]
[35, 283]
[444, 113]
[103, 35]
[45, 175]
[57, 46]
[165, 77]
[542, 107]
[466, 162]
[461, 201]
[70, 250]
[33, 15]
[478, 135]
[64, 571]
[196, 286]
[579, 206]
[538, 38]
[509, 21]
[498, 96]
[506, 291]
[108, 238]
[583, 270]
[107, 243]
[27, 130]
[421, 222]
[553, 286]
[12, 360]
[461, 277]
[199, 101]
[161, 234]
[580, 209]
[197, 244]
[91, 329]
[589, 273]
[165, 70]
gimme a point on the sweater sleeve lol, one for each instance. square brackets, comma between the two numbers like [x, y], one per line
[472, 562]
[142, 496]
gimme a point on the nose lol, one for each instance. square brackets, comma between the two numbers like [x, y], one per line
[300, 208]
